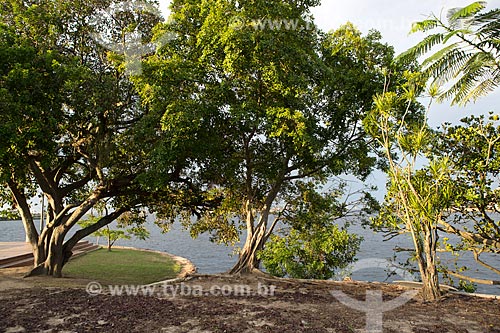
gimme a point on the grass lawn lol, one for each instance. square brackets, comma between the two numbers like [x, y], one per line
[122, 266]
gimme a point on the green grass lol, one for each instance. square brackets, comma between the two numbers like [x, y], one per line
[122, 266]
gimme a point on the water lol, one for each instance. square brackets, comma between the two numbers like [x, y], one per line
[212, 258]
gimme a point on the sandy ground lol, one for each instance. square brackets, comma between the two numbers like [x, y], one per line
[233, 304]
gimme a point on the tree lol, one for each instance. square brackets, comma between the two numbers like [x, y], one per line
[72, 125]
[469, 59]
[470, 66]
[133, 221]
[472, 148]
[311, 245]
[416, 199]
[269, 100]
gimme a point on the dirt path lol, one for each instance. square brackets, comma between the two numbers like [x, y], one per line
[229, 304]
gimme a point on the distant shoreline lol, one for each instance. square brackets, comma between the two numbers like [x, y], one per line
[36, 216]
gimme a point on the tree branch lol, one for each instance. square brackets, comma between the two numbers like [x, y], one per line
[487, 243]
[24, 210]
[471, 279]
[76, 185]
[476, 257]
[47, 185]
[80, 234]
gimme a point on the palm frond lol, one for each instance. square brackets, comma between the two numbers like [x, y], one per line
[493, 45]
[489, 26]
[474, 72]
[471, 64]
[490, 16]
[423, 47]
[446, 63]
[463, 18]
[455, 14]
[425, 25]
[454, 33]
[483, 88]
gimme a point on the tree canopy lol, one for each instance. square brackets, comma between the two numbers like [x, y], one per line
[72, 127]
[454, 192]
[260, 107]
[472, 149]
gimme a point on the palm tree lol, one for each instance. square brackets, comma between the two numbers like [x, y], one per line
[467, 63]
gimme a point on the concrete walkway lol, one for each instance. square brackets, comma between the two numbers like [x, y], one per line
[13, 249]
[18, 254]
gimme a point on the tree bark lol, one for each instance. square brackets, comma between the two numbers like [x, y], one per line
[32, 235]
[59, 252]
[56, 257]
[248, 262]
[427, 265]
[430, 282]
[256, 239]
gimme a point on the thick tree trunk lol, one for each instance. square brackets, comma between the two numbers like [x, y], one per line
[256, 239]
[248, 262]
[59, 252]
[430, 288]
[57, 256]
[256, 235]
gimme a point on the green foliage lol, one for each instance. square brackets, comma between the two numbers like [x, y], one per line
[416, 198]
[470, 53]
[259, 109]
[71, 123]
[316, 253]
[468, 63]
[472, 148]
[311, 245]
[129, 225]
[467, 287]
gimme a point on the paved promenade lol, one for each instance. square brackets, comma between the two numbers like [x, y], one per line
[12, 249]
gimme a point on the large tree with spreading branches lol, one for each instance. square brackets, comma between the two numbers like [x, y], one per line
[72, 127]
[273, 103]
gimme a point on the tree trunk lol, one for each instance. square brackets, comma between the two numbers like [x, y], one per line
[256, 239]
[248, 262]
[32, 235]
[59, 252]
[427, 266]
[430, 288]
[57, 256]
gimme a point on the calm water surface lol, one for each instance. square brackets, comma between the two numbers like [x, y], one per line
[212, 258]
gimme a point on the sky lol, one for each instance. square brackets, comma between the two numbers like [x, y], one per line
[393, 18]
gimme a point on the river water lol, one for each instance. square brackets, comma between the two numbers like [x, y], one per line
[372, 265]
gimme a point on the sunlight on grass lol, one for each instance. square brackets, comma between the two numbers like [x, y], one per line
[122, 266]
